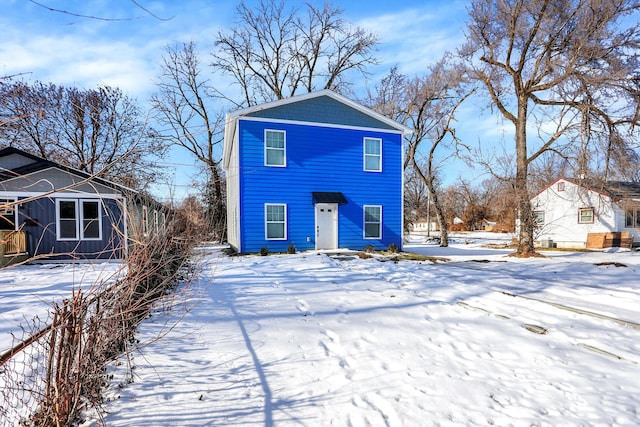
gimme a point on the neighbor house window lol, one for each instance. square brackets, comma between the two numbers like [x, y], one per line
[561, 186]
[78, 220]
[6, 206]
[632, 218]
[275, 222]
[156, 222]
[7, 214]
[585, 216]
[538, 217]
[373, 154]
[373, 222]
[145, 221]
[274, 148]
[90, 219]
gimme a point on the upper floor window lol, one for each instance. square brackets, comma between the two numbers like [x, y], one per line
[373, 154]
[561, 186]
[585, 216]
[373, 222]
[274, 148]
[78, 219]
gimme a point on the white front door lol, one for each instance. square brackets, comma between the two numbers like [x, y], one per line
[326, 226]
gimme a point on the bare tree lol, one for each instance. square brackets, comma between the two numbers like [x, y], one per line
[275, 52]
[96, 131]
[416, 199]
[427, 105]
[565, 65]
[183, 106]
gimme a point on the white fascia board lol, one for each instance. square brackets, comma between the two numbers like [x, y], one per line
[325, 125]
[326, 92]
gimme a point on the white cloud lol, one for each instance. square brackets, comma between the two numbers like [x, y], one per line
[415, 38]
[73, 60]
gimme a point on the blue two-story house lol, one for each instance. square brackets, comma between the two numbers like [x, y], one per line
[316, 171]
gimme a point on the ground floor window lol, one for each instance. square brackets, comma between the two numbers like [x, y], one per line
[538, 217]
[373, 222]
[632, 217]
[7, 214]
[78, 219]
[585, 216]
[275, 221]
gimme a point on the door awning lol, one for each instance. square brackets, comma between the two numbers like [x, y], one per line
[328, 197]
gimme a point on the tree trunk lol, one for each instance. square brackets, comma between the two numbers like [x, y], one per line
[217, 206]
[525, 238]
[444, 232]
[428, 181]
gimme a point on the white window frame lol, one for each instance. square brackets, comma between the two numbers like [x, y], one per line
[593, 216]
[11, 211]
[632, 217]
[283, 149]
[368, 155]
[58, 219]
[79, 219]
[538, 217]
[365, 222]
[145, 221]
[82, 218]
[267, 222]
[156, 222]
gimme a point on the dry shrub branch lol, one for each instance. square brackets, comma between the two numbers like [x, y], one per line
[90, 329]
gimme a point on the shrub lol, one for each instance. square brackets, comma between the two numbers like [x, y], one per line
[230, 251]
[369, 249]
[264, 251]
[393, 248]
[291, 249]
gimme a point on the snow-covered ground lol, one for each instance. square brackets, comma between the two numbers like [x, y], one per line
[306, 339]
[28, 292]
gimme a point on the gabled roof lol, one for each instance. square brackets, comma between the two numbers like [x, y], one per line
[36, 164]
[616, 190]
[325, 107]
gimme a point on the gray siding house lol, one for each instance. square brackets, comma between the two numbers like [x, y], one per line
[50, 211]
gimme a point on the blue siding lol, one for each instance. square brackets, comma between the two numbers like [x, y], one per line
[318, 159]
[38, 220]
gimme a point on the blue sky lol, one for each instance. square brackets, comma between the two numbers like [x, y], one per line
[70, 50]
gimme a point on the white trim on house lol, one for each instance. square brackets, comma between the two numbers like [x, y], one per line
[317, 124]
[82, 218]
[79, 218]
